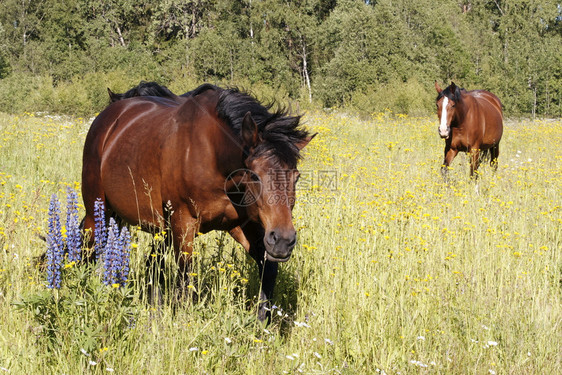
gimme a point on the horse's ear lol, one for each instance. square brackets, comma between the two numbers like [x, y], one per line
[305, 141]
[249, 131]
[456, 91]
[112, 96]
[439, 89]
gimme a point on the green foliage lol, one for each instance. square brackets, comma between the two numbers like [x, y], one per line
[83, 315]
[410, 97]
[330, 53]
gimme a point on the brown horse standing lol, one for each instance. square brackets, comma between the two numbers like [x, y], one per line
[216, 159]
[470, 121]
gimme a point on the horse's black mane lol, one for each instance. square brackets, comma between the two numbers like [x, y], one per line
[200, 89]
[279, 131]
[452, 92]
[144, 89]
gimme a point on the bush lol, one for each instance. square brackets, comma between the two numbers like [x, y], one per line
[410, 98]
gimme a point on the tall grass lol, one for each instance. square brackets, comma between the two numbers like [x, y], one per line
[394, 272]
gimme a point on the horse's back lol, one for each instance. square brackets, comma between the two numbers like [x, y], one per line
[136, 112]
[488, 101]
[491, 116]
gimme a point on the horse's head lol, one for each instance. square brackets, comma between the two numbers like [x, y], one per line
[270, 161]
[446, 102]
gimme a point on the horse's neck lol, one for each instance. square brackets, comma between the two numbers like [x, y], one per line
[228, 153]
[462, 107]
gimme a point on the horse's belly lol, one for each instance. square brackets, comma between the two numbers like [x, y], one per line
[132, 185]
[135, 199]
[493, 137]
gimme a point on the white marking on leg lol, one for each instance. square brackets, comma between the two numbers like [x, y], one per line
[443, 125]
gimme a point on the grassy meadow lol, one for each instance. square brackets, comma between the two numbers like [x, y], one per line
[394, 272]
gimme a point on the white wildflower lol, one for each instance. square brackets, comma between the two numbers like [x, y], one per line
[418, 363]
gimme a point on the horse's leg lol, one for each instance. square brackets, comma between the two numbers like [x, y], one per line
[184, 229]
[494, 153]
[268, 272]
[88, 224]
[155, 266]
[92, 190]
[474, 162]
[450, 154]
[251, 237]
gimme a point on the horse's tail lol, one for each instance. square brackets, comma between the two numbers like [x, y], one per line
[491, 155]
[485, 155]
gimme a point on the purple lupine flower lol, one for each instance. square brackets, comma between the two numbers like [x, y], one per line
[125, 240]
[116, 255]
[100, 231]
[72, 226]
[55, 245]
[111, 256]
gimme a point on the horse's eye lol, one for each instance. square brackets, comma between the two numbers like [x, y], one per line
[254, 177]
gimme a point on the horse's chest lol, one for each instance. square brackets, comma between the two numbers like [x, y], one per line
[464, 138]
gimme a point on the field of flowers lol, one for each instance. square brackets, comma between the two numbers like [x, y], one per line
[395, 272]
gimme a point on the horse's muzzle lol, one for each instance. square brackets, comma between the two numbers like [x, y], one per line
[279, 245]
[444, 134]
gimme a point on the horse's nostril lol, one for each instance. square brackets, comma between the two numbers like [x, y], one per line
[292, 241]
[272, 238]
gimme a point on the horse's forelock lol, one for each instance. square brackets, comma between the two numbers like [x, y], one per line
[454, 95]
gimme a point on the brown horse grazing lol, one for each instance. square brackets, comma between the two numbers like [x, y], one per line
[217, 159]
[470, 121]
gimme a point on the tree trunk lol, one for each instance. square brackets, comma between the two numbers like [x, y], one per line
[305, 71]
[121, 40]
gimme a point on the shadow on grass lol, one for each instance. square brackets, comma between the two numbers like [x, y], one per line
[222, 276]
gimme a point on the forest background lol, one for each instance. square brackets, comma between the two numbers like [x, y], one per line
[60, 56]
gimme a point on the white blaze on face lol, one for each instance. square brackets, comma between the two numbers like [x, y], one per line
[443, 126]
